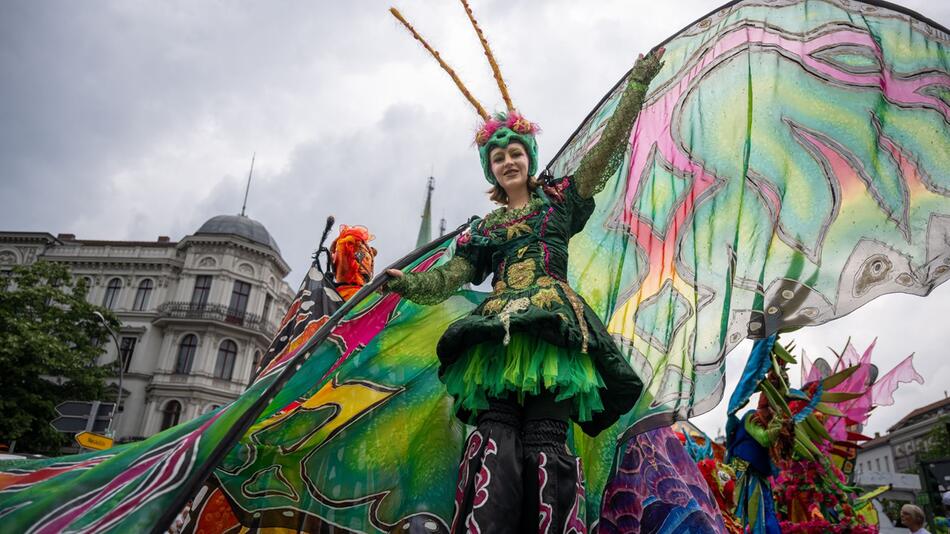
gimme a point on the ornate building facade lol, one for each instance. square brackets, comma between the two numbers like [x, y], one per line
[196, 313]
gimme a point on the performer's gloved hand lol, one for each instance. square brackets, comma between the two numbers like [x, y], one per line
[396, 283]
[647, 67]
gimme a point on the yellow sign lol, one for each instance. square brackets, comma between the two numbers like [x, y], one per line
[93, 441]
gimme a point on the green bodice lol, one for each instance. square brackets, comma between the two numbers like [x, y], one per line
[526, 252]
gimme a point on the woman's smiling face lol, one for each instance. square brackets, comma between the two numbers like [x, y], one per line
[510, 166]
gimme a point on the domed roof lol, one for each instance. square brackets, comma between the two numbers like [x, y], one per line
[239, 225]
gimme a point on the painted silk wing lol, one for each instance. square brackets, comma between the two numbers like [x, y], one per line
[123, 489]
[791, 163]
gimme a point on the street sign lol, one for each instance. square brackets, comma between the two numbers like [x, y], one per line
[74, 424]
[78, 416]
[93, 441]
[74, 408]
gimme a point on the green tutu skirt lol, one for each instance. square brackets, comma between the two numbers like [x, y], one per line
[524, 367]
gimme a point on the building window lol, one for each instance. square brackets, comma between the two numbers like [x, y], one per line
[126, 348]
[143, 294]
[887, 463]
[239, 298]
[877, 462]
[112, 293]
[224, 366]
[268, 301]
[171, 414]
[202, 290]
[186, 354]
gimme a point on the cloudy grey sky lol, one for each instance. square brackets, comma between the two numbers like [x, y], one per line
[133, 119]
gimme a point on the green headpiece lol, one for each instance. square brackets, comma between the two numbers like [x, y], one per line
[500, 131]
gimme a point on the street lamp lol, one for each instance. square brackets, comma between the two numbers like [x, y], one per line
[118, 357]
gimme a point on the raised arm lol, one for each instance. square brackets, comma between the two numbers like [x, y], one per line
[602, 161]
[436, 285]
[765, 435]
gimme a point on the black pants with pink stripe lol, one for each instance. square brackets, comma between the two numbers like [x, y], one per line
[517, 474]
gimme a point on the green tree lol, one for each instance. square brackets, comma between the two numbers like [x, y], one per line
[50, 340]
[938, 441]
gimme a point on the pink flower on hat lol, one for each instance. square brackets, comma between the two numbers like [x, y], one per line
[487, 130]
[518, 123]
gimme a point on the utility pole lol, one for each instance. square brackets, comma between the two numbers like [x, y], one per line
[118, 356]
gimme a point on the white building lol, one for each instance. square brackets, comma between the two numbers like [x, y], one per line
[874, 467]
[911, 435]
[196, 314]
[890, 459]
[875, 456]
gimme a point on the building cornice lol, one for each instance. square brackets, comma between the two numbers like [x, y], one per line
[920, 428]
[238, 242]
[190, 390]
[111, 243]
[114, 263]
[23, 238]
[262, 337]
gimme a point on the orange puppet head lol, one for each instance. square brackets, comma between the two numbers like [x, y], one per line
[352, 259]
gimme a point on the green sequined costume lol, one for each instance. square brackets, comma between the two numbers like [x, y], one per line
[534, 332]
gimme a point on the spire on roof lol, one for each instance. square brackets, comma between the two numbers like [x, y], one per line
[425, 229]
[247, 189]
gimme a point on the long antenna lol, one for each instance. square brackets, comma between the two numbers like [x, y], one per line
[248, 188]
[445, 66]
[491, 57]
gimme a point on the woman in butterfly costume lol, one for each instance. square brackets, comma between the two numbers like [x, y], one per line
[533, 356]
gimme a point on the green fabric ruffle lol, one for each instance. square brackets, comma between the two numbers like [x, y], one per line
[525, 366]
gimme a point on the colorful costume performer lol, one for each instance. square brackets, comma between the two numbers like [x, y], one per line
[533, 355]
[352, 259]
[533, 333]
[803, 439]
[348, 267]
[709, 457]
[749, 441]
[816, 495]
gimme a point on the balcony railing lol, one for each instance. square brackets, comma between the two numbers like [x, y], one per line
[213, 312]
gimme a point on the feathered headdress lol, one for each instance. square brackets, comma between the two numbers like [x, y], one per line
[500, 129]
[353, 259]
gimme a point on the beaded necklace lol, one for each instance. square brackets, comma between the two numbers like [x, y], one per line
[503, 214]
